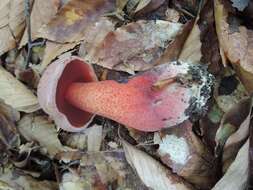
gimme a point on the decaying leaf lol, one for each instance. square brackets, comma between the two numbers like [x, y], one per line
[229, 91]
[235, 40]
[90, 139]
[172, 52]
[202, 43]
[76, 20]
[42, 12]
[12, 24]
[15, 94]
[52, 50]
[152, 173]
[237, 174]
[186, 155]
[134, 47]
[39, 129]
[233, 131]
[10, 179]
[9, 136]
[99, 170]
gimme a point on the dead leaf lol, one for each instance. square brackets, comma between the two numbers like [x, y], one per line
[152, 173]
[233, 131]
[172, 52]
[88, 140]
[229, 91]
[9, 136]
[42, 12]
[235, 40]
[237, 174]
[99, 170]
[142, 4]
[52, 50]
[12, 24]
[77, 19]
[202, 43]
[10, 179]
[148, 6]
[134, 47]
[187, 156]
[15, 94]
[39, 129]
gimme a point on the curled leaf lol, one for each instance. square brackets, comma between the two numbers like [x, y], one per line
[237, 174]
[39, 129]
[151, 172]
[15, 94]
[186, 155]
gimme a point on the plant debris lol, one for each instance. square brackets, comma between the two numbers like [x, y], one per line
[143, 94]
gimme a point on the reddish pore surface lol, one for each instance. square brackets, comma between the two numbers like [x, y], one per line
[75, 71]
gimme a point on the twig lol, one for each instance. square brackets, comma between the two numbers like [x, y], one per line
[30, 44]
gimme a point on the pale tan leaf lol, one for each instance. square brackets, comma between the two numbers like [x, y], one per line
[39, 129]
[15, 94]
[236, 176]
[12, 23]
[236, 41]
[191, 51]
[95, 138]
[151, 172]
[89, 139]
[142, 4]
[42, 12]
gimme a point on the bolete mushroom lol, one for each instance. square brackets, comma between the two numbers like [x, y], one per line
[158, 98]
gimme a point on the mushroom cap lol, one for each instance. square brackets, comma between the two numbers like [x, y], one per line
[52, 88]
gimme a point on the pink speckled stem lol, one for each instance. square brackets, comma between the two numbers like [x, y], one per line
[130, 104]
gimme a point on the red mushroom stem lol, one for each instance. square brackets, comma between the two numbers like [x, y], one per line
[150, 101]
[131, 104]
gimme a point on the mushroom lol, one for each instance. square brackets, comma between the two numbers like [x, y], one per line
[158, 98]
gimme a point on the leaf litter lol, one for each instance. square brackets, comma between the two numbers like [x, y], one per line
[121, 38]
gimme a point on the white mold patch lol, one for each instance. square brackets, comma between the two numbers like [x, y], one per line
[175, 147]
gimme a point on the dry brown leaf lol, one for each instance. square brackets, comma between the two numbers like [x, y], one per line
[76, 20]
[12, 180]
[186, 155]
[236, 41]
[39, 129]
[202, 44]
[9, 136]
[152, 173]
[12, 23]
[99, 170]
[52, 50]
[237, 174]
[233, 131]
[150, 5]
[134, 47]
[87, 140]
[42, 12]
[15, 94]
[172, 52]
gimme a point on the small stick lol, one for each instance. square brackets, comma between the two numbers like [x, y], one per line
[30, 44]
